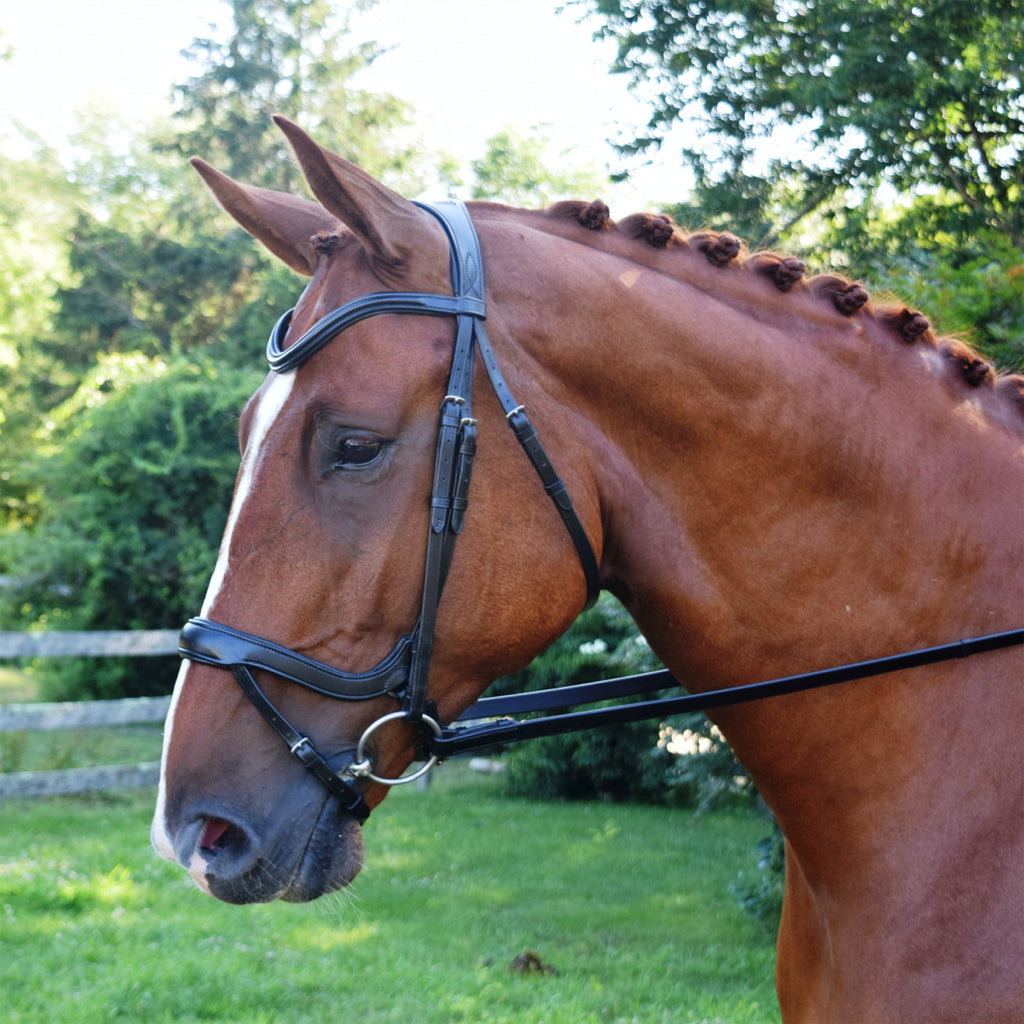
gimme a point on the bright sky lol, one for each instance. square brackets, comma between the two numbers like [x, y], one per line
[470, 68]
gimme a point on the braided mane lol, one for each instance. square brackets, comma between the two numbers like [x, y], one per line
[788, 275]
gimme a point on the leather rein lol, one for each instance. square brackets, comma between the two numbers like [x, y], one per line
[404, 672]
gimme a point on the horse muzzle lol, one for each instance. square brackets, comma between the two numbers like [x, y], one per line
[301, 850]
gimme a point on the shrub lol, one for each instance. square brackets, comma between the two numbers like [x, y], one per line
[761, 895]
[135, 477]
[632, 761]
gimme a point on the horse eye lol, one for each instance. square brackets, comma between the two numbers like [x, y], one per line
[357, 452]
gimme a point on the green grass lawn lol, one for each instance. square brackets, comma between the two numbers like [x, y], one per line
[629, 907]
[79, 748]
[69, 748]
[16, 686]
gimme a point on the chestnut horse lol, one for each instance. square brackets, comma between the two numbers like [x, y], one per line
[774, 477]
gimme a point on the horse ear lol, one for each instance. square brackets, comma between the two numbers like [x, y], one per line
[392, 229]
[283, 223]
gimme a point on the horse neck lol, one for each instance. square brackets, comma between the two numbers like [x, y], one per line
[780, 491]
[786, 483]
[797, 486]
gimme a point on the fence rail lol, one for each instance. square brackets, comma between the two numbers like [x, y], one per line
[71, 781]
[70, 643]
[84, 714]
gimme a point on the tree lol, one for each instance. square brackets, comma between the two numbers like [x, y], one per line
[132, 329]
[35, 198]
[520, 170]
[805, 103]
[290, 57]
[153, 268]
[118, 247]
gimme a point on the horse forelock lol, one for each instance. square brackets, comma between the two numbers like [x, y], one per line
[655, 242]
[325, 242]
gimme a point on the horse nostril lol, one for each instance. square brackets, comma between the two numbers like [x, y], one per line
[219, 835]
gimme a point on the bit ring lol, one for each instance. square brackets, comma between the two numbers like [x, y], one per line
[361, 767]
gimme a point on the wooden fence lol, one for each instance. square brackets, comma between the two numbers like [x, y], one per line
[75, 715]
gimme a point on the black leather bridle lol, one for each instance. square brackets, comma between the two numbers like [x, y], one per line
[404, 673]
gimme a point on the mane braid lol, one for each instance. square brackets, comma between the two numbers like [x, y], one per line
[632, 235]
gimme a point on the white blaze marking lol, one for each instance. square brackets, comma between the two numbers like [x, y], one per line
[270, 406]
[158, 832]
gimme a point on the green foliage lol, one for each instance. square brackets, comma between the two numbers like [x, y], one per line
[521, 171]
[129, 321]
[290, 57]
[883, 137]
[115, 245]
[15, 686]
[142, 292]
[976, 294]
[632, 761]
[599, 763]
[629, 904]
[848, 93]
[762, 894]
[135, 476]
[33, 198]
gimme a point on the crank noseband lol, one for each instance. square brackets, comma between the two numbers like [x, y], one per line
[213, 644]
[404, 673]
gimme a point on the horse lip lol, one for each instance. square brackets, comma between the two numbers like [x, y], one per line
[185, 850]
[322, 868]
[329, 859]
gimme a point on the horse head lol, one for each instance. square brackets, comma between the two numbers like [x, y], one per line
[326, 583]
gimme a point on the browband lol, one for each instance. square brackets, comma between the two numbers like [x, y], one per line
[282, 360]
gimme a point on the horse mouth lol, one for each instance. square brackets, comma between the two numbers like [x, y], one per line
[235, 868]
